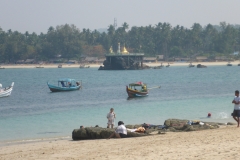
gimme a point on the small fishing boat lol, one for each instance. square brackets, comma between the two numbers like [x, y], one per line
[84, 66]
[191, 65]
[229, 64]
[40, 66]
[2, 67]
[65, 84]
[59, 66]
[138, 89]
[157, 67]
[4, 92]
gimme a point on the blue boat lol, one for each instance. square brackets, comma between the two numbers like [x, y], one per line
[65, 84]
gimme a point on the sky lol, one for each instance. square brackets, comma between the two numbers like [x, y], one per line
[38, 15]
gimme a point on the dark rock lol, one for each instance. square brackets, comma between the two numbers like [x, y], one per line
[98, 133]
[122, 62]
[178, 125]
[170, 125]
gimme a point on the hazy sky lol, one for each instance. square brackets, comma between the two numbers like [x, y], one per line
[38, 15]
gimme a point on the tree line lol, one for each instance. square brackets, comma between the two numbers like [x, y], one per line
[69, 42]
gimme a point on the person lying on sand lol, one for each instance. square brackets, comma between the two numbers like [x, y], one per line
[120, 132]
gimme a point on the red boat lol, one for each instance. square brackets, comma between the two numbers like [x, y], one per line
[137, 89]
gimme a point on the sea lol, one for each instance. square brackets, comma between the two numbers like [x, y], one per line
[33, 112]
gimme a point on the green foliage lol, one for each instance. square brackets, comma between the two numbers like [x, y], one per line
[161, 39]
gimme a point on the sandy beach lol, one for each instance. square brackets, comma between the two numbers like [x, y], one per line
[98, 65]
[219, 143]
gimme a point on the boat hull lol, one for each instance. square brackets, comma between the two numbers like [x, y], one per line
[135, 93]
[201, 66]
[62, 89]
[7, 91]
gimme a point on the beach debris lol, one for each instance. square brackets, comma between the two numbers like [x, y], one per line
[230, 123]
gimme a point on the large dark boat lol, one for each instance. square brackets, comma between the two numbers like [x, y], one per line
[201, 66]
[123, 60]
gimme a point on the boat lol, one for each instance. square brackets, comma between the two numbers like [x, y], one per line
[2, 67]
[168, 65]
[84, 66]
[40, 66]
[4, 92]
[201, 66]
[157, 67]
[65, 84]
[138, 89]
[191, 65]
[59, 66]
[229, 64]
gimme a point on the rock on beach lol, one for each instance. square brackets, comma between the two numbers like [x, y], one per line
[170, 125]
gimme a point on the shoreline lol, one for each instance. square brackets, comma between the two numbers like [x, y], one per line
[68, 135]
[5, 143]
[206, 144]
[18, 66]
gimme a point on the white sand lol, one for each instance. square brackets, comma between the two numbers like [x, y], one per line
[98, 65]
[47, 66]
[222, 143]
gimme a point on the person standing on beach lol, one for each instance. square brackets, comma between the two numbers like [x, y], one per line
[111, 116]
[236, 111]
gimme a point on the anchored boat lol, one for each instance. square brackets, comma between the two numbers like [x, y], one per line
[65, 84]
[137, 89]
[4, 92]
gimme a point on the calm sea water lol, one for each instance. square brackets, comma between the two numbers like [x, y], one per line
[33, 112]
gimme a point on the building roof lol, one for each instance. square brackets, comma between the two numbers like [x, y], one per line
[201, 58]
[149, 58]
[220, 57]
[91, 59]
[20, 61]
[160, 56]
[29, 60]
[72, 61]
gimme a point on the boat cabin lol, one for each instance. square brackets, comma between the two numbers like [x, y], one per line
[138, 86]
[67, 82]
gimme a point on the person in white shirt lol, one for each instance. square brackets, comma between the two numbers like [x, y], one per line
[120, 132]
[111, 116]
[236, 111]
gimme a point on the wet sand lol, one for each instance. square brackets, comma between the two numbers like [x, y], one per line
[210, 144]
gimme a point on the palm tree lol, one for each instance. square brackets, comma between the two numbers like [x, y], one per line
[125, 26]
